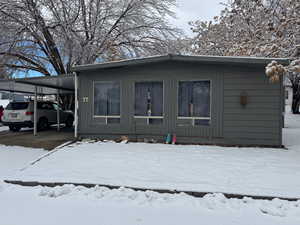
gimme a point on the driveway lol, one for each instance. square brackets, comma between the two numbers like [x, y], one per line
[48, 139]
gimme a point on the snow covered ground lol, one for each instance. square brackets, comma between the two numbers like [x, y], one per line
[252, 171]
[99, 205]
[248, 171]
[13, 158]
[291, 132]
[79, 205]
[3, 128]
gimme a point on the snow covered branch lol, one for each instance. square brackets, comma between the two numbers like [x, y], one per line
[54, 35]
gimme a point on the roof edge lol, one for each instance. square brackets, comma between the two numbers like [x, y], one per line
[183, 58]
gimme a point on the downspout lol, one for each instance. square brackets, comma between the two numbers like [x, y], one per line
[76, 105]
[58, 111]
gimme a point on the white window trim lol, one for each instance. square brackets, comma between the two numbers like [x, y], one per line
[105, 116]
[210, 105]
[150, 117]
[192, 117]
[108, 117]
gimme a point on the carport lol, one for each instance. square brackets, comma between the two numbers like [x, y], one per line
[49, 85]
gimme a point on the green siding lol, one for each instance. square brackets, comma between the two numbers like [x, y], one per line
[259, 123]
[259, 120]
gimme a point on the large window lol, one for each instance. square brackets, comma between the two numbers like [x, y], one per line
[107, 101]
[149, 101]
[194, 102]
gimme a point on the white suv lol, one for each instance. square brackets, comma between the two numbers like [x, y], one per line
[20, 114]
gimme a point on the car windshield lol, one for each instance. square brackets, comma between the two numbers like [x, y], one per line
[17, 105]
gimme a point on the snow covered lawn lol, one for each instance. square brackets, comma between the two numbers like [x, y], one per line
[248, 171]
[13, 158]
[99, 205]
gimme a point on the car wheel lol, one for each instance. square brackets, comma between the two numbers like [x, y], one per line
[42, 124]
[14, 128]
[69, 121]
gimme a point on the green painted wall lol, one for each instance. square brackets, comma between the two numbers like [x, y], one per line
[259, 123]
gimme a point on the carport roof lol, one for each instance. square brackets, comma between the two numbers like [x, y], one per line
[183, 58]
[46, 85]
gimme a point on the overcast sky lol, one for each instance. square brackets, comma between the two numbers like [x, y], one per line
[190, 10]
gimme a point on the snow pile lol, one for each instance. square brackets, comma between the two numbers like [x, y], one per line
[56, 191]
[78, 205]
[217, 201]
[3, 128]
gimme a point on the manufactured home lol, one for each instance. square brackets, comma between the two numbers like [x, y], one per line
[200, 99]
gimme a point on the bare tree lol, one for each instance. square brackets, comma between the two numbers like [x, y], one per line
[50, 36]
[4, 59]
[268, 28]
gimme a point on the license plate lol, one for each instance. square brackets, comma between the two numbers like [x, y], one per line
[13, 115]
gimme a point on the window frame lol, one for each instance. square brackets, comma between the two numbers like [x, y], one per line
[163, 102]
[106, 116]
[193, 118]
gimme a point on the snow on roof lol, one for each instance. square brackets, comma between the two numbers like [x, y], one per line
[47, 84]
[190, 58]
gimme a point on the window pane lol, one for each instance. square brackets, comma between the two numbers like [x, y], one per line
[107, 98]
[17, 105]
[149, 98]
[185, 98]
[194, 99]
[201, 98]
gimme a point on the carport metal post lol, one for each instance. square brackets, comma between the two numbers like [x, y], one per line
[57, 111]
[35, 112]
[76, 105]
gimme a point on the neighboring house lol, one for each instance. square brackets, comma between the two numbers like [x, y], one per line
[201, 99]
[6, 97]
[11, 96]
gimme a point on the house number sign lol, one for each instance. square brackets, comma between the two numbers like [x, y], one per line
[85, 99]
